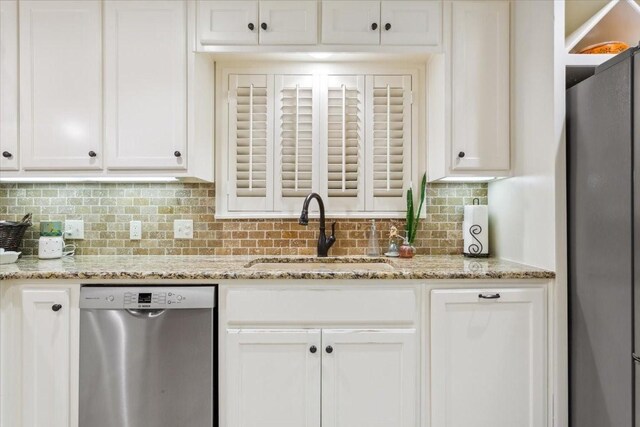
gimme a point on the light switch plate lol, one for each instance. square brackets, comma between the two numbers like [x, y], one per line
[74, 229]
[183, 229]
[135, 230]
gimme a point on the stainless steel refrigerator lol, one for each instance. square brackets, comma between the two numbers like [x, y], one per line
[603, 174]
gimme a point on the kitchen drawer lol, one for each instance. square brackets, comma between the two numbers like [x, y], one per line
[317, 307]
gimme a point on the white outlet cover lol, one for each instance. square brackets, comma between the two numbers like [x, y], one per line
[183, 229]
[74, 229]
[135, 230]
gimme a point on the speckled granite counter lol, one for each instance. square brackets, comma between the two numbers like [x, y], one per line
[245, 267]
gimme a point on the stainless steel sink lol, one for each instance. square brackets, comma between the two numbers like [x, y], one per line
[320, 264]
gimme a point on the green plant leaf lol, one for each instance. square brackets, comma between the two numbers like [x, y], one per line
[410, 214]
[423, 194]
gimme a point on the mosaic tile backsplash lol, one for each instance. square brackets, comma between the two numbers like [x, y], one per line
[107, 209]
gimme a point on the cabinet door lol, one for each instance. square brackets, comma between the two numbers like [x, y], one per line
[488, 358]
[146, 84]
[250, 181]
[8, 85]
[46, 357]
[411, 23]
[288, 22]
[228, 22]
[388, 142]
[480, 85]
[273, 378]
[351, 22]
[61, 84]
[369, 378]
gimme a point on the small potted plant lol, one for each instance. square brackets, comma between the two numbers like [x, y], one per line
[407, 250]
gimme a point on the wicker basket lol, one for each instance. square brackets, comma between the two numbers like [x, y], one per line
[11, 233]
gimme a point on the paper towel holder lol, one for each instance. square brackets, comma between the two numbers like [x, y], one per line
[473, 245]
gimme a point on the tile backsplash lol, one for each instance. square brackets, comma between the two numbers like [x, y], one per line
[107, 209]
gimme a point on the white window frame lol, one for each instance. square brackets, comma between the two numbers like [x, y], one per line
[417, 157]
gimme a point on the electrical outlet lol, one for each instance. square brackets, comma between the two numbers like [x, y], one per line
[135, 230]
[183, 229]
[74, 229]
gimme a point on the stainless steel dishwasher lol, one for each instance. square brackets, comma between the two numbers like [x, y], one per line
[147, 356]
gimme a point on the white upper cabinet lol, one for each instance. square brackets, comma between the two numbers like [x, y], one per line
[9, 85]
[288, 22]
[411, 22]
[296, 108]
[351, 22]
[273, 378]
[228, 22]
[369, 378]
[488, 358]
[480, 86]
[145, 94]
[60, 84]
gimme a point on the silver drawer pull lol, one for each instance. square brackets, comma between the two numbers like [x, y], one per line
[489, 296]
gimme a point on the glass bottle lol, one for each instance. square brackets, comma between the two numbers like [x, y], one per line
[373, 249]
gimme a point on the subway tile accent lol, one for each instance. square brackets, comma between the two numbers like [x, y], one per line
[107, 209]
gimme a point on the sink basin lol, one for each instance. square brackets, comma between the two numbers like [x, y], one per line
[320, 264]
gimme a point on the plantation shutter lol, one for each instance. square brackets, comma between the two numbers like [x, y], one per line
[296, 136]
[388, 142]
[250, 143]
[344, 150]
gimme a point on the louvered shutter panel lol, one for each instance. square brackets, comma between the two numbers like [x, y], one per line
[296, 136]
[388, 142]
[344, 150]
[250, 143]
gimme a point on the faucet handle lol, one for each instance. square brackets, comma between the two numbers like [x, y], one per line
[333, 229]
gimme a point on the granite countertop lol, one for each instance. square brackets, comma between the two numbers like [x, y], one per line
[257, 267]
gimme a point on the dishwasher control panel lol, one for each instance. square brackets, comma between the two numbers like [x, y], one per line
[147, 297]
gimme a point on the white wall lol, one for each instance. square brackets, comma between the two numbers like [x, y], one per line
[522, 208]
[528, 212]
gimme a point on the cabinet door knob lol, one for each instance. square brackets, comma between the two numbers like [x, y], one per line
[461, 154]
[374, 26]
[263, 25]
[92, 154]
[313, 349]
[489, 296]
[387, 26]
[251, 26]
[177, 153]
[329, 349]
[6, 154]
[56, 307]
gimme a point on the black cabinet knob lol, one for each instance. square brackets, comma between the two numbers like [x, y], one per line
[313, 349]
[177, 153]
[56, 307]
[251, 26]
[329, 349]
[461, 154]
[263, 25]
[387, 26]
[6, 155]
[92, 154]
[374, 26]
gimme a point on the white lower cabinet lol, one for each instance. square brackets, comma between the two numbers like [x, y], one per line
[333, 378]
[488, 358]
[369, 378]
[274, 378]
[40, 326]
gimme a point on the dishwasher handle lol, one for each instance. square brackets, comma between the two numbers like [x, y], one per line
[148, 313]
